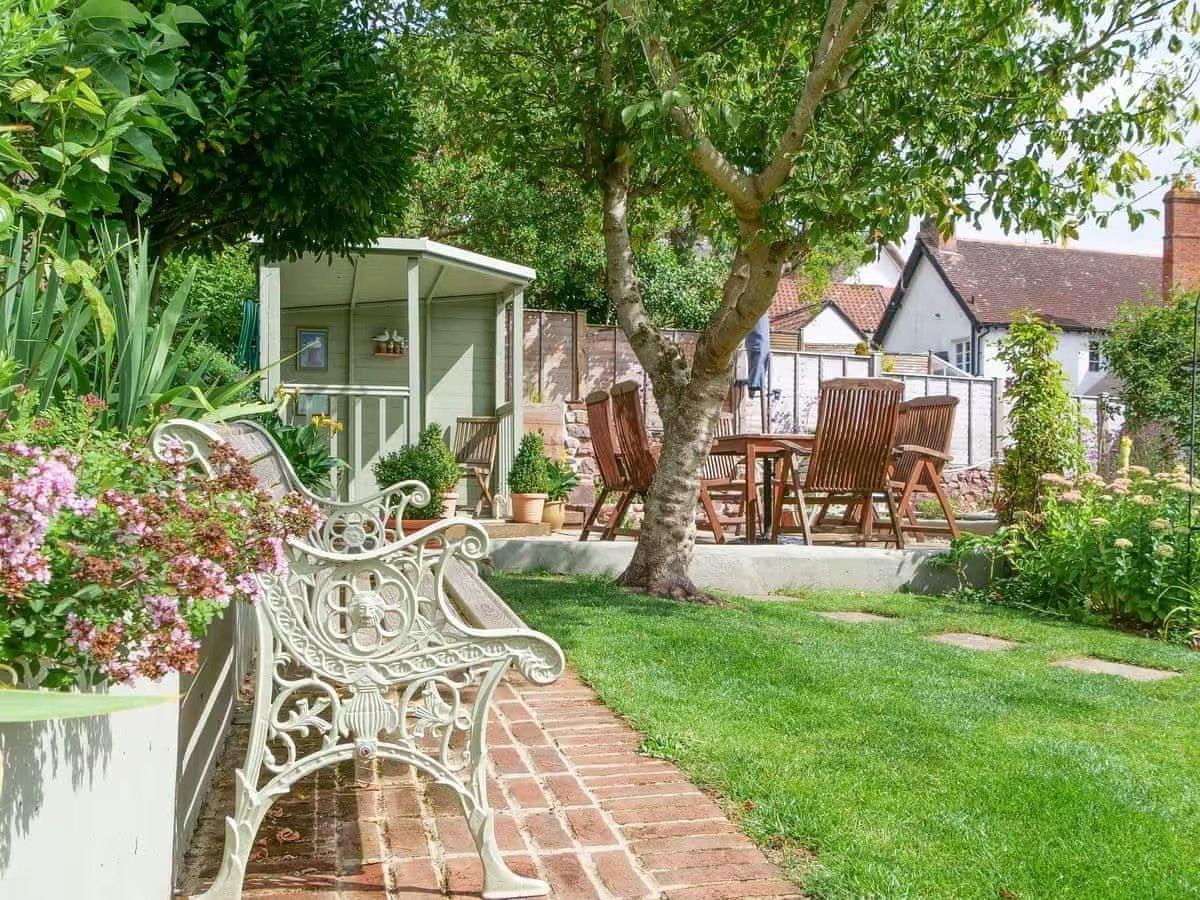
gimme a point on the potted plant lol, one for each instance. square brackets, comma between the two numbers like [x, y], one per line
[528, 480]
[430, 462]
[561, 480]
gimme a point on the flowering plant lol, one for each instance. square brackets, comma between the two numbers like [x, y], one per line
[1117, 549]
[113, 563]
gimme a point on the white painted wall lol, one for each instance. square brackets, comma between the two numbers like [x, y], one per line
[830, 327]
[87, 807]
[929, 318]
[1071, 353]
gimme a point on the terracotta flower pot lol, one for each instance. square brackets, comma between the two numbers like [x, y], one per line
[527, 508]
[555, 514]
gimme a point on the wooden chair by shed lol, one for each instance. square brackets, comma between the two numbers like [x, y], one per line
[640, 460]
[475, 441]
[922, 451]
[849, 463]
[614, 482]
[720, 483]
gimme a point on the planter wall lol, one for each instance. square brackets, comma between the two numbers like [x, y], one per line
[87, 806]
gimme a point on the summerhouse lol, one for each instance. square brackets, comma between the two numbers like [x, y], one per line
[406, 332]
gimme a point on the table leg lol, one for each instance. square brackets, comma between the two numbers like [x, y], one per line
[768, 496]
[751, 495]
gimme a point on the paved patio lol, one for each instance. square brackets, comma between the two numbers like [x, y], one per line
[581, 810]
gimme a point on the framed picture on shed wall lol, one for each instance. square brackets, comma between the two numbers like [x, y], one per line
[313, 347]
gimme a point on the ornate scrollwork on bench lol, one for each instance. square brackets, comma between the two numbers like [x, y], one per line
[360, 647]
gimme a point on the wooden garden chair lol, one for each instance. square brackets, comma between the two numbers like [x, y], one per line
[641, 460]
[720, 483]
[922, 450]
[849, 463]
[475, 441]
[612, 473]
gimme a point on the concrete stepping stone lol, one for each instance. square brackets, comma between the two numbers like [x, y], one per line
[854, 616]
[971, 641]
[1108, 667]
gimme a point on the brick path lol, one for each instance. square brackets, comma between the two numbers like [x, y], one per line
[581, 810]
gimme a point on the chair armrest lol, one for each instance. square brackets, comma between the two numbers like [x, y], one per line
[924, 451]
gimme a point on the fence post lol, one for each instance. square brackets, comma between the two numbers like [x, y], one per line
[873, 365]
[579, 336]
[997, 417]
[1101, 421]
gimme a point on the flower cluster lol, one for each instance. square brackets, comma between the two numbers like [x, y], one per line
[1114, 548]
[113, 563]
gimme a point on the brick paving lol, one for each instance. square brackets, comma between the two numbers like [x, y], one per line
[579, 807]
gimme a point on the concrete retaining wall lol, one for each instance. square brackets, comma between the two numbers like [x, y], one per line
[748, 571]
[87, 806]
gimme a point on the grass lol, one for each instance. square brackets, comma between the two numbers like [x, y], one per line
[909, 769]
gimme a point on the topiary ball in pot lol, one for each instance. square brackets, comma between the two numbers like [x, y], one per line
[414, 463]
[446, 474]
[528, 479]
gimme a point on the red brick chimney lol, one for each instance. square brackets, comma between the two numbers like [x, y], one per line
[1181, 238]
[930, 235]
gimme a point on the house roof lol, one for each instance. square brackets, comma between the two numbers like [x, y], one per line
[1076, 289]
[862, 304]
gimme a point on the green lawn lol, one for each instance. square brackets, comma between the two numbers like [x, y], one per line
[907, 768]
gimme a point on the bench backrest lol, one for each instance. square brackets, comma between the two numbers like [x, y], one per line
[604, 442]
[925, 422]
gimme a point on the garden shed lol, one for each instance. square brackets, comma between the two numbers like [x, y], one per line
[402, 333]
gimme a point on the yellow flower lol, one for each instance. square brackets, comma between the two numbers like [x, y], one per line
[1143, 500]
[1122, 543]
[1165, 551]
[1099, 522]
[1160, 524]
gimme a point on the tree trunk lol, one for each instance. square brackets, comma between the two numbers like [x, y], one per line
[664, 551]
[689, 393]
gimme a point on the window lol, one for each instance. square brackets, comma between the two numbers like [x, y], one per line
[963, 357]
[1095, 357]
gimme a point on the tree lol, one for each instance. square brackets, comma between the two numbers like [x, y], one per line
[1044, 425]
[793, 127]
[302, 131]
[1149, 350]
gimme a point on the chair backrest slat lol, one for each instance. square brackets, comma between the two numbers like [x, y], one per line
[925, 422]
[723, 467]
[476, 439]
[604, 442]
[856, 425]
[632, 437]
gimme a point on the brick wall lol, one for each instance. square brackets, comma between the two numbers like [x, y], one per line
[1181, 238]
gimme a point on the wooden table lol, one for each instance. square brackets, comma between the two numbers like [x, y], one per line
[755, 447]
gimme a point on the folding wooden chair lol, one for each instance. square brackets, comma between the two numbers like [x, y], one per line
[849, 463]
[475, 441]
[922, 451]
[640, 460]
[719, 483]
[612, 474]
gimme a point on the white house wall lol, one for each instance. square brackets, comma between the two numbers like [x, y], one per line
[829, 327]
[1071, 353]
[929, 317]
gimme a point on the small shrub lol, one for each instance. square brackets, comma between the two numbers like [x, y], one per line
[428, 461]
[307, 450]
[1115, 549]
[561, 480]
[528, 474]
[1043, 421]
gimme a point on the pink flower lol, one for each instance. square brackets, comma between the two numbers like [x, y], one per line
[1070, 497]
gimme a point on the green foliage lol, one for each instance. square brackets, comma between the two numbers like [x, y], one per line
[1116, 550]
[1149, 350]
[430, 462]
[307, 450]
[1044, 425]
[681, 288]
[304, 133]
[42, 706]
[206, 366]
[528, 474]
[560, 480]
[220, 284]
[88, 88]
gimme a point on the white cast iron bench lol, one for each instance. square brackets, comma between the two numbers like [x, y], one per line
[388, 646]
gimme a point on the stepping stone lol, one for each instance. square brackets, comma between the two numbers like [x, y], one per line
[1108, 667]
[851, 616]
[973, 641]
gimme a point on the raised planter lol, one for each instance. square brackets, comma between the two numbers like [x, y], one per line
[87, 806]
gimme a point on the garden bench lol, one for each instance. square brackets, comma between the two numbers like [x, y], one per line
[386, 646]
